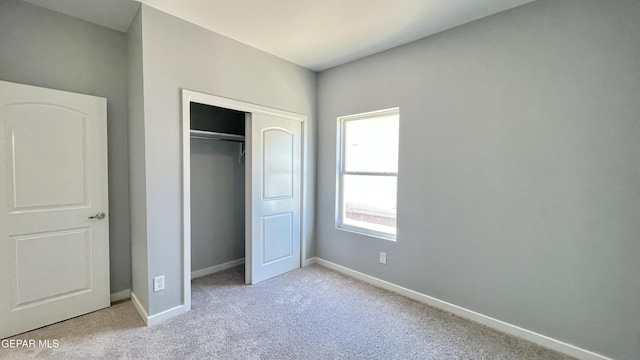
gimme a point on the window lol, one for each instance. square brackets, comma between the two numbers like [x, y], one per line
[368, 172]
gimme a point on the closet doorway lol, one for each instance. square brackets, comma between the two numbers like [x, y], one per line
[251, 154]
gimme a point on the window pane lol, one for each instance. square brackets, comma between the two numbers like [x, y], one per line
[370, 202]
[371, 144]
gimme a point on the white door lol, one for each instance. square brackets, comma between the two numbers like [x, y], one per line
[273, 196]
[54, 258]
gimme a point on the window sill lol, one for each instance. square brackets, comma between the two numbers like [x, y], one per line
[364, 232]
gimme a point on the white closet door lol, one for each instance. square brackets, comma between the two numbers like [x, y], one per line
[273, 196]
[54, 259]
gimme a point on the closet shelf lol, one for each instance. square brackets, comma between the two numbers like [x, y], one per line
[210, 135]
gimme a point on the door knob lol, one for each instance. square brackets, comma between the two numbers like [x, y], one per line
[98, 216]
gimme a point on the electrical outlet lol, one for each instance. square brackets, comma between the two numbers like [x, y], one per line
[383, 257]
[158, 283]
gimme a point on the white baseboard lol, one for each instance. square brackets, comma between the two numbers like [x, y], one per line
[307, 262]
[121, 295]
[216, 268]
[166, 315]
[141, 311]
[496, 324]
[157, 318]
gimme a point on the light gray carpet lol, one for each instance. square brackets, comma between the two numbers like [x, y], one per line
[310, 313]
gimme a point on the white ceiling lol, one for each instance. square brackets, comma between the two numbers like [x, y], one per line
[317, 34]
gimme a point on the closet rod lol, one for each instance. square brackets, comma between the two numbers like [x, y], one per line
[210, 135]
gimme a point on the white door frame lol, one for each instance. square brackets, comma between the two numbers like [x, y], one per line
[189, 96]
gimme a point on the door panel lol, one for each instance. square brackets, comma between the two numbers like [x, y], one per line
[277, 237]
[65, 253]
[54, 260]
[44, 179]
[278, 158]
[273, 196]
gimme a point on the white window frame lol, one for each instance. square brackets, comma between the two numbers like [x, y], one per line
[340, 172]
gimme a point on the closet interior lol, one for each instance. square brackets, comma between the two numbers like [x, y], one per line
[217, 188]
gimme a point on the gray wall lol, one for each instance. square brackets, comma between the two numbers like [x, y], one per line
[217, 203]
[519, 169]
[137, 178]
[43, 48]
[176, 55]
